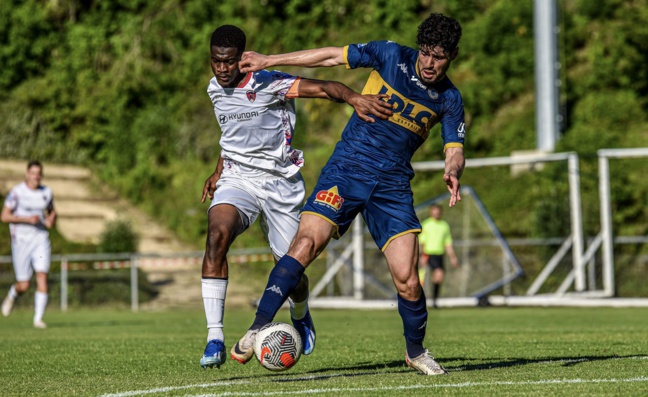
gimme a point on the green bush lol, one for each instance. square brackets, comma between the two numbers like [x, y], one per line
[118, 236]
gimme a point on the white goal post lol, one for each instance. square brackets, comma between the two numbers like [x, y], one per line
[604, 156]
[575, 239]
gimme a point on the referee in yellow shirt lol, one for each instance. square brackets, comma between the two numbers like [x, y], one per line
[435, 240]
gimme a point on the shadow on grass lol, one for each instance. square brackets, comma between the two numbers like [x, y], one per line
[514, 362]
[399, 366]
[89, 324]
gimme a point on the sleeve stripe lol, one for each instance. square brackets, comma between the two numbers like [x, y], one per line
[345, 56]
[452, 144]
[293, 92]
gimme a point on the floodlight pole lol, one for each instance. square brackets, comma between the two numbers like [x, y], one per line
[546, 74]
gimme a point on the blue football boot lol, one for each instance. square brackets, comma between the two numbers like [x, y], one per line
[306, 330]
[214, 354]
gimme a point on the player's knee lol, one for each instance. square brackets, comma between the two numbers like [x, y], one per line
[409, 289]
[21, 286]
[218, 239]
[304, 246]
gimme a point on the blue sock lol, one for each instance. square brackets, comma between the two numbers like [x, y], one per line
[282, 281]
[414, 315]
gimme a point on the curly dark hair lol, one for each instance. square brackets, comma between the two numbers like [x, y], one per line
[439, 30]
[228, 36]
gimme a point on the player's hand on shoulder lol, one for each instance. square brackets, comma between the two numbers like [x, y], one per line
[252, 61]
[374, 105]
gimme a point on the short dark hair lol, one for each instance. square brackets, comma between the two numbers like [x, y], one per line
[34, 163]
[439, 30]
[228, 36]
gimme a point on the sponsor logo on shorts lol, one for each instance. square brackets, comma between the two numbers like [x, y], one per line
[329, 198]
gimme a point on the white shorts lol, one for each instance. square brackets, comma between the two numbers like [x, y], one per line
[30, 255]
[253, 192]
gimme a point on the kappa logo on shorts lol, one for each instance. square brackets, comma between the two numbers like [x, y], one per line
[330, 198]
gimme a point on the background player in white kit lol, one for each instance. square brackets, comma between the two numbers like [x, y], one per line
[258, 172]
[29, 210]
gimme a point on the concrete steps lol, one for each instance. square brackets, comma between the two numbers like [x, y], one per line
[84, 207]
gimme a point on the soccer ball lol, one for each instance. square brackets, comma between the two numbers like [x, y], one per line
[277, 346]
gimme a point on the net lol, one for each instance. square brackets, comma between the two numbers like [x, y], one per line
[486, 261]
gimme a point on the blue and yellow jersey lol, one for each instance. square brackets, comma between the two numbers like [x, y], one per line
[388, 145]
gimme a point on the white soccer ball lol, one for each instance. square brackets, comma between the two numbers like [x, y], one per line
[277, 346]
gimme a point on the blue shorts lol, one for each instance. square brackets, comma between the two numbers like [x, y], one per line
[387, 205]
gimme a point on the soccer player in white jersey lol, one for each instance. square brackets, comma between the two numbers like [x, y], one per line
[29, 210]
[257, 173]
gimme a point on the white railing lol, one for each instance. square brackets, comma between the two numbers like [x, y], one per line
[135, 261]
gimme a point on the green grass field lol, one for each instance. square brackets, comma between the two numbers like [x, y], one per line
[488, 351]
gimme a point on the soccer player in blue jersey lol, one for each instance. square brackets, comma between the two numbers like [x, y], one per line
[369, 171]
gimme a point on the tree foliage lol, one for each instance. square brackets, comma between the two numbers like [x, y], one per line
[120, 86]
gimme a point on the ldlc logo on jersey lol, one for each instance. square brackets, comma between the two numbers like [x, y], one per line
[251, 96]
[407, 113]
[330, 198]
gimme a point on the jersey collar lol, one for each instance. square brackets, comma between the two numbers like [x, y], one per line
[245, 80]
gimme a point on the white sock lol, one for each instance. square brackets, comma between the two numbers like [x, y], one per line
[12, 293]
[40, 301]
[298, 309]
[213, 293]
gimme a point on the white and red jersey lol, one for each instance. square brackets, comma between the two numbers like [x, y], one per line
[24, 201]
[257, 120]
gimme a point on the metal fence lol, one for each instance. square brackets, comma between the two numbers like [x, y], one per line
[135, 261]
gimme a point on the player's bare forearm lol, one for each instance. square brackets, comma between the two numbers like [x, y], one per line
[454, 162]
[50, 219]
[7, 216]
[364, 105]
[317, 57]
[454, 166]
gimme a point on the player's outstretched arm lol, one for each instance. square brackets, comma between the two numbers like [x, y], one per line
[8, 216]
[364, 105]
[454, 166]
[210, 183]
[318, 57]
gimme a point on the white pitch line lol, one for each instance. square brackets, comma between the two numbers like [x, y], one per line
[173, 388]
[315, 377]
[411, 387]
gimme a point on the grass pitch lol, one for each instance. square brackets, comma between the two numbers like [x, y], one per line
[488, 351]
